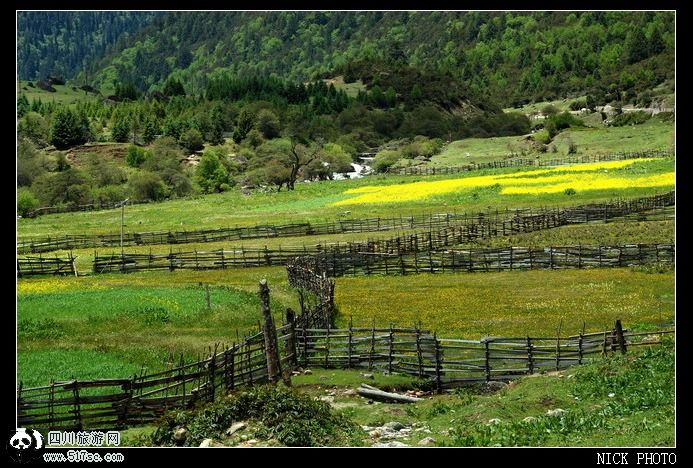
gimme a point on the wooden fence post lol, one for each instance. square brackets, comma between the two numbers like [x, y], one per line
[390, 350]
[419, 356]
[619, 336]
[530, 360]
[291, 341]
[439, 383]
[350, 342]
[270, 335]
[487, 359]
[212, 372]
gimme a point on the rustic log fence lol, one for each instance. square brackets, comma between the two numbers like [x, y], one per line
[33, 266]
[315, 294]
[494, 259]
[105, 404]
[518, 162]
[451, 362]
[656, 207]
[355, 254]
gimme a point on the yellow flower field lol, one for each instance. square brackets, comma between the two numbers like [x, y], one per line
[592, 176]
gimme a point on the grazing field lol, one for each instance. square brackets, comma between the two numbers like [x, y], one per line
[510, 303]
[63, 94]
[113, 325]
[329, 200]
[653, 134]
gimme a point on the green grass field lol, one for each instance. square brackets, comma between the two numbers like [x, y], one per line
[64, 94]
[101, 327]
[329, 200]
[653, 134]
[513, 303]
[108, 325]
[113, 325]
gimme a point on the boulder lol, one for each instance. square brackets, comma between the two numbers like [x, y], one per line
[427, 442]
[180, 435]
[394, 443]
[394, 426]
[556, 412]
[235, 427]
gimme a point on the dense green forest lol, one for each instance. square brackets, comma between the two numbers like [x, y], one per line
[61, 43]
[275, 98]
[510, 57]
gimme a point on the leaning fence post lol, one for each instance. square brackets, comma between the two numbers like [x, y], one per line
[270, 335]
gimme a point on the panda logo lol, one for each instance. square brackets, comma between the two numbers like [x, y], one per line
[23, 440]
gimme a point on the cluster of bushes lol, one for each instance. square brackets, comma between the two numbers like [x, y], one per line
[629, 118]
[420, 147]
[293, 419]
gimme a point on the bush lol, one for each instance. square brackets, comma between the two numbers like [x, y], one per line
[26, 201]
[578, 105]
[569, 191]
[192, 140]
[210, 174]
[572, 147]
[550, 109]
[136, 156]
[293, 419]
[267, 123]
[630, 118]
[147, 186]
[385, 159]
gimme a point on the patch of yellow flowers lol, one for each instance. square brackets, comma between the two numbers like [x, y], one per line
[592, 176]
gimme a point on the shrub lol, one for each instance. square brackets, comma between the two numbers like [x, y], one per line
[630, 118]
[569, 191]
[147, 186]
[293, 419]
[26, 201]
[549, 109]
[385, 159]
[192, 140]
[572, 147]
[136, 156]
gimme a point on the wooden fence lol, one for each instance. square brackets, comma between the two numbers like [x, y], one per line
[116, 403]
[74, 241]
[517, 162]
[450, 362]
[483, 226]
[32, 266]
[69, 208]
[494, 259]
[315, 294]
[654, 207]
[446, 362]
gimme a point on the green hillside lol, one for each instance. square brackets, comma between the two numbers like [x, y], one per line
[514, 57]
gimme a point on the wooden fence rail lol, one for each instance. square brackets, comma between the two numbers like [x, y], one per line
[341, 260]
[654, 207]
[446, 362]
[517, 162]
[483, 226]
[33, 266]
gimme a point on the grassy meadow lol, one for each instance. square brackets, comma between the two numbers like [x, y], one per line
[653, 134]
[63, 94]
[384, 196]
